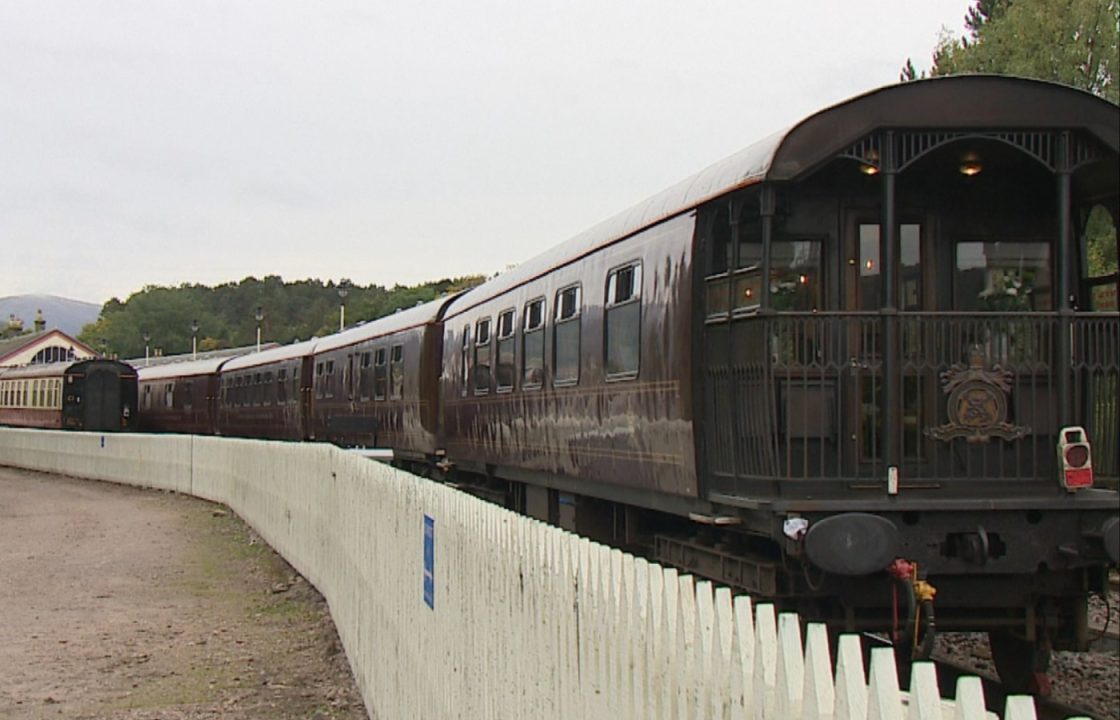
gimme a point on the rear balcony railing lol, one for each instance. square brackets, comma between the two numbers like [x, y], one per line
[802, 397]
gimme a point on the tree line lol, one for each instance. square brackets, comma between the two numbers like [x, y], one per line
[160, 319]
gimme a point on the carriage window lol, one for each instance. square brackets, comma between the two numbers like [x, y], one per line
[282, 386]
[188, 401]
[365, 376]
[566, 337]
[465, 366]
[169, 395]
[910, 269]
[268, 389]
[1100, 248]
[482, 357]
[319, 380]
[506, 343]
[623, 322]
[795, 274]
[147, 397]
[396, 372]
[1002, 276]
[532, 345]
[380, 374]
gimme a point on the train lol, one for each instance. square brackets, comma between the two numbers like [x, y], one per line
[862, 368]
[96, 395]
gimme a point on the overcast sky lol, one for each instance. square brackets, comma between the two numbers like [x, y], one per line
[147, 142]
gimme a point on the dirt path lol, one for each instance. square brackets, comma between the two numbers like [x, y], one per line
[125, 603]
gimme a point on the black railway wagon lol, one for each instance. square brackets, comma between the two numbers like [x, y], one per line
[835, 366]
[94, 395]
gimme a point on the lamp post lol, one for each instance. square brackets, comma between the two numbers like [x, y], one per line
[104, 347]
[259, 315]
[343, 291]
[147, 338]
[194, 339]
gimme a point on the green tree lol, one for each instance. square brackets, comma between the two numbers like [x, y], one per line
[226, 314]
[1074, 42]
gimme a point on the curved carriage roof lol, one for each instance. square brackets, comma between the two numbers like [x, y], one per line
[186, 368]
[58, 369]
[973, 102]
[273, 355]
[422, 314]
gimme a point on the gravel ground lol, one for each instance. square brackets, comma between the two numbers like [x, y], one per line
[126, 604]
[1090, 680]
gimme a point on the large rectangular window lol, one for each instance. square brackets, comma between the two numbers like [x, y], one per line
[623, 322]
[1003, 276]
[328, 377]
[380, 374]
[795, 275]
[365, 376]
[566, 337]
[532, 345]
[396, 372]
[482, 357]
[465, 357]
[506, 345]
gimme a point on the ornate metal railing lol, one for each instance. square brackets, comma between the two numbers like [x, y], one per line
[801, 397]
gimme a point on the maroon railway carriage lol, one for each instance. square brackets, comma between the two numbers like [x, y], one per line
[267, 394]
[94, 395]
[859, 340]
[181, 397]
[375, 385]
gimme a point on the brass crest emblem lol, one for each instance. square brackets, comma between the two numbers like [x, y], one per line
[977, 404]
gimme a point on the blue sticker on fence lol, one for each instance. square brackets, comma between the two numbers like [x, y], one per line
[430, 561]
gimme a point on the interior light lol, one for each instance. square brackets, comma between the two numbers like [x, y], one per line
[870, 164]
[803, 279]
[970, 164]
[749, 293]
[870, 264]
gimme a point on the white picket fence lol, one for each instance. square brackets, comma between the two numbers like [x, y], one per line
[527, 621]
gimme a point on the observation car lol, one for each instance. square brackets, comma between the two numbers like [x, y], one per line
[94, 395]
[860, 340]
[866, 360]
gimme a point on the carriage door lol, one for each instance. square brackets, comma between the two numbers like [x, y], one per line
[101, 400]
[864, 294]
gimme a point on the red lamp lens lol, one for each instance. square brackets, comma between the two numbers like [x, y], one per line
[1077, 456]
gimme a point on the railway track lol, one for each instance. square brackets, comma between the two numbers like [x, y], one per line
[995, 695]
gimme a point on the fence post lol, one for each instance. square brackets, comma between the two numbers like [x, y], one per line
[1019, 707]
[885, 701]
[851, 685]
[742, 653]
[819, 692]
[765, 662]
[686, 646]
[790, 677]
[969, 703]
[925, 697]
[723, 634]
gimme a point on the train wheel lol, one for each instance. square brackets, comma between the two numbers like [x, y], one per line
[1021, 664]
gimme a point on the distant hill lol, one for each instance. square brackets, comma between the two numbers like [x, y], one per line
[67, 315]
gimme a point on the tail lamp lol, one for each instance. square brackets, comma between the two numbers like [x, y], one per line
[1075, 458]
